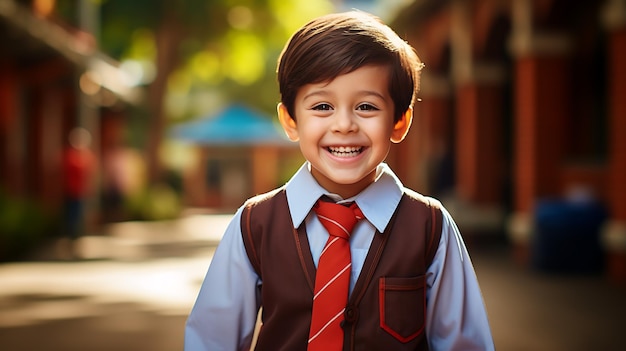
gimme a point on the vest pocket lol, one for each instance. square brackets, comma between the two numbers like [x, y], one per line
[402, 306]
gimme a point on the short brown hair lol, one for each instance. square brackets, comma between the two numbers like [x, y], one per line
[340, 43]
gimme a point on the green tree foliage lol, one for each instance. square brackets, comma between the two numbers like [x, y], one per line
[205, 53]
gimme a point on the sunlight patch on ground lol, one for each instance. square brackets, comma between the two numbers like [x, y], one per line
[56, 290]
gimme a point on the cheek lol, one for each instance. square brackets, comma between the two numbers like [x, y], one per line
[311, 130]
[378, 130]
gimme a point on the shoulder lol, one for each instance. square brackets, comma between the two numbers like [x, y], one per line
[424, 200]
[265, 198]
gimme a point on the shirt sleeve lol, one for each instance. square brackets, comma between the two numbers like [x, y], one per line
[456, 314]
[224, 314]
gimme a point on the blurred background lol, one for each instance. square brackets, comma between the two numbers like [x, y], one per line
[130, 131]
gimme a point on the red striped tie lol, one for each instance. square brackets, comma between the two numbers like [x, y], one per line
[333, 276]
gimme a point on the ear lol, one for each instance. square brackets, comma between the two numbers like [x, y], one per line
[401, 128]
[288, 123]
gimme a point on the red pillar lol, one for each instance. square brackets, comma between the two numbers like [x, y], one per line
[12, 160]
[541, 103]
[8, 101]
[480, 144]
[51, 148]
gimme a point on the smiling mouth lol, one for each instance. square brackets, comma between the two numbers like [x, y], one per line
[345, 151]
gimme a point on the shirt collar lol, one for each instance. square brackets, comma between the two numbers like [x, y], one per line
[378, 201]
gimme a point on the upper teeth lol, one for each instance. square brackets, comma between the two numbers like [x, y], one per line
[345, 149]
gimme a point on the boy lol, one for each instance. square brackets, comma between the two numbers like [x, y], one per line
[347, 84]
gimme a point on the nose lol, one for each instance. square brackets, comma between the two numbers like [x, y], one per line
[344, 121]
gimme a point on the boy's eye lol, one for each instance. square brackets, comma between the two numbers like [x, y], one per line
[366, 107]
[322, 107]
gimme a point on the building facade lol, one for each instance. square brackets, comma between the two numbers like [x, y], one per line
[522, 100]
[53, 78]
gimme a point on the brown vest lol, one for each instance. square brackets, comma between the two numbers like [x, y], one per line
[387, 308]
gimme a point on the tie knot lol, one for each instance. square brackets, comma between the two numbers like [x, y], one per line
[339, 220]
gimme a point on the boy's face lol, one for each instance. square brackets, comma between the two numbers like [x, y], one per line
[345, 128]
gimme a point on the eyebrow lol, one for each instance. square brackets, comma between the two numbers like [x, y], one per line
[315, 93]
[360, 93]
[372, 92]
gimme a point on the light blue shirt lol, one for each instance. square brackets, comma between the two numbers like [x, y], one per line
[224, 314]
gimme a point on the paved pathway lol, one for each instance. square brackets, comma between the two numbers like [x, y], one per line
[97, 305]
[533, 311]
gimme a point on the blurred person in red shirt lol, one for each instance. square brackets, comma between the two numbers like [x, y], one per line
[79, 167]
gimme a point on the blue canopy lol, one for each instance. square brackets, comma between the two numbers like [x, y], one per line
[235, 125]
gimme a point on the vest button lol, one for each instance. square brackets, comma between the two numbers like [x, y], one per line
[351, 314]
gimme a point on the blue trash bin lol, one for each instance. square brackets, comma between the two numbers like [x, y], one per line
[567, 236]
